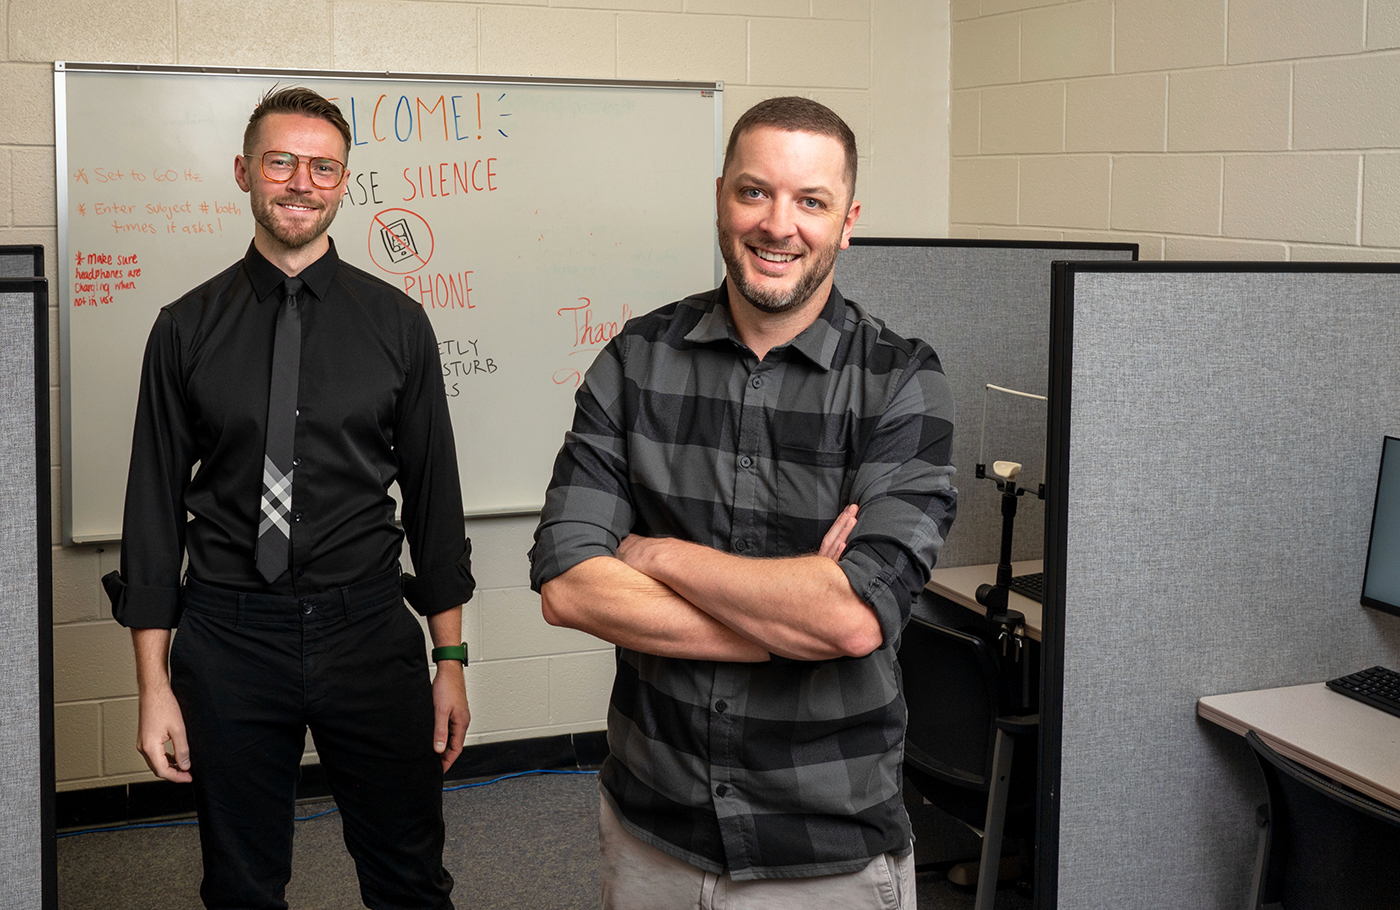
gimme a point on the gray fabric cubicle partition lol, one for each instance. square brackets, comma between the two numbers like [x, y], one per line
[1215, 437]
[984, 306]
[22, 260]
[28, 876]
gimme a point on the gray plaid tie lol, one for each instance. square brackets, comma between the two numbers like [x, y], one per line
[274, 533]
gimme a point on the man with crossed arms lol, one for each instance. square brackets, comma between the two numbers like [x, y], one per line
[754, 490]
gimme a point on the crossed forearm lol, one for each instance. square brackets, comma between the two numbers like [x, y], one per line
[800, 607]
[605, 597]
[678, 599]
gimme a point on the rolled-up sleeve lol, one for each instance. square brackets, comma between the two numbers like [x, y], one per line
[146, 591]
[904, 490]
[587, 508]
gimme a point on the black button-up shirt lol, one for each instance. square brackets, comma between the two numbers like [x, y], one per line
[788, 768]
[371, 408]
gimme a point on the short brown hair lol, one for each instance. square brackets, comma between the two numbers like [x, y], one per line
[295, 99]
[795, 114]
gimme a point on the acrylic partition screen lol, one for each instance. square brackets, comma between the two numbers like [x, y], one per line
[530, 217]
[984, 306]
[27, 854]
[1215, 437]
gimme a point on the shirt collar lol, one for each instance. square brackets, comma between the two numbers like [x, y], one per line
[817, 342]
[267, 278]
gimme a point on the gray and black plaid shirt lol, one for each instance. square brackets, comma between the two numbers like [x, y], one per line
[789, 768]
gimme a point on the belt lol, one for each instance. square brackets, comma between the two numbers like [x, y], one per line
[350, 601]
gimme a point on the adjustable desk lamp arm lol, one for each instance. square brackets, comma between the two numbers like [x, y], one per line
[995, 597]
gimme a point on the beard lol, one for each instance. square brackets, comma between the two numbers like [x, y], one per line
[819, 266]
[265, 213]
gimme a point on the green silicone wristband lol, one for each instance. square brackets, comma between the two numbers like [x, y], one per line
[451, 652]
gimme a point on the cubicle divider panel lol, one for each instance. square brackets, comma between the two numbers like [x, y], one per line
[23, 260]
[1217, 430]
[984, 306]
[27, 853]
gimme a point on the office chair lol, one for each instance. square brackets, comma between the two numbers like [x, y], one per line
[1322, 846]
[959, 745]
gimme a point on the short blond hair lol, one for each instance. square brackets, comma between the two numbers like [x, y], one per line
[295, 99]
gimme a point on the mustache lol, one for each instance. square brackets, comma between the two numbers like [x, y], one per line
[297, 200]
[771, 247]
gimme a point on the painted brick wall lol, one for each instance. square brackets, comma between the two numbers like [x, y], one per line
[1201, 129]
[882, 64]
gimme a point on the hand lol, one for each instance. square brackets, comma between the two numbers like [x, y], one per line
[834, 543]
[450, 711]
[161, 722]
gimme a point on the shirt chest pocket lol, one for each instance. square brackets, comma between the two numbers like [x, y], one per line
[812, 488]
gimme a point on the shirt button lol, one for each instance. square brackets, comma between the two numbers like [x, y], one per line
[300, 572]
[296, 517]
[722, 790]
[298, 414]
[745, 461]
[740, 546]
[307, 607]
[296, 461]
[721, 706]
[756, 382]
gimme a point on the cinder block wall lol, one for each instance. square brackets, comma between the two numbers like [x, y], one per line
[883, 64]
[1200, 129]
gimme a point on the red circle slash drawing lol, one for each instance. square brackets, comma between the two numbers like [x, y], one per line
[400, 241]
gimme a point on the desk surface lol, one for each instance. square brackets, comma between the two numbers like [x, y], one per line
[960, 586]
[1350, 742]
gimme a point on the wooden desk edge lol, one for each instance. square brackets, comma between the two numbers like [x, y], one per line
[1220, 719]
[1309, 760]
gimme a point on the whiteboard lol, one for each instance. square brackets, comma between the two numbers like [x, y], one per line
[530, 218]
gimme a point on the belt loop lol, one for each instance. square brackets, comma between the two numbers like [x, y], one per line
[238, 617]
[345, 602]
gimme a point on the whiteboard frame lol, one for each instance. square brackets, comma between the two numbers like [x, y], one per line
[62, 67]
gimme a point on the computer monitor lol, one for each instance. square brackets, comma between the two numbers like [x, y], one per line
[1381, 587]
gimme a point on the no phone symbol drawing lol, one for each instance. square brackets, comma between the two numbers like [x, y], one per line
[400, 241]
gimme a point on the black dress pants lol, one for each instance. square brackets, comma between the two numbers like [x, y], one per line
[251, 673]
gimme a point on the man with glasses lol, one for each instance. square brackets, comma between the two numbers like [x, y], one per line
[278, 403]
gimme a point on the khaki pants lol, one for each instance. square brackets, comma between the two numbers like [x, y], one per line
[637, 876]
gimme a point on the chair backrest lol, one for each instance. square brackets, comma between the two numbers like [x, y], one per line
[951, 686]
[1329, 847]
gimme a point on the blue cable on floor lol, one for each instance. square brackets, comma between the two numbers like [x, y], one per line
[509, 776]
[307, 818]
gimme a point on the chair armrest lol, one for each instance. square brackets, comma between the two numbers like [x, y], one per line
[1017, 725]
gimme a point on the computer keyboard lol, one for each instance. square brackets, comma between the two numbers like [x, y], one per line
[1029, 586]
[1377, 687]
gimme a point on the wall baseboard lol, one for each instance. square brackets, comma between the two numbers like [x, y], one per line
[129, 803]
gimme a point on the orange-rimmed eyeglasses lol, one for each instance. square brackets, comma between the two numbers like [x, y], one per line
[325, 173]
